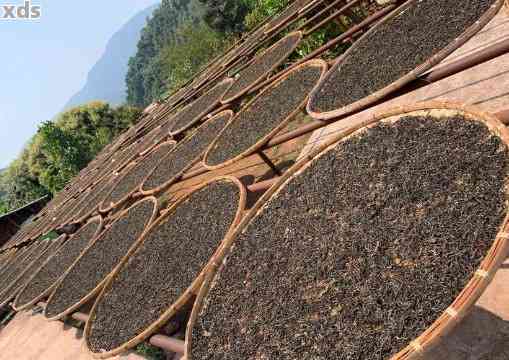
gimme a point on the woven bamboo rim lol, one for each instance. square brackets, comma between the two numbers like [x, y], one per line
[144, 191]
[205, 111]
[405, 79]
[17, 256]
[467, 297]
[507, 7]
[186, 295]
[297, 35]
[97, 289]
[150, 140]
[254, 39]
[265, 138]
[23, 262]
[190, 97]
[10, 291]
[22, 256]
[6, 257]
[283, 19]
[105, 208]
[67, 214]
[19, 307]
[78, 220]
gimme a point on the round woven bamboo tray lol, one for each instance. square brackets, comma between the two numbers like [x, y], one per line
[405, 79]
[11, 290]
[99, 286]
[104, 208]
[147, 192]
[187, 294]
[297, 34]
[312, 63]
[6, 257]
[150, 140]
[463, 303]
[228, 82]
[81, 217]
[19, 307]
[11, 273]
[116, 178]
[19, 253]
[19, 257]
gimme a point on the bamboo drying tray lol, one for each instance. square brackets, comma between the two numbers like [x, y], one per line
[297, 34]
[405, 79]
[20, 307]
[147, 192]
[463, 303]
[264, 139]
[205, 111]
[99, 286]
[187, 294]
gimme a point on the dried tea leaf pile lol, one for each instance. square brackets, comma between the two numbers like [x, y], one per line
[55, 267]
[361, 252]
[21, 281]
[17, 268]
[100, 258]
[263, 65]
[186, 153]
[396, 48]
[12, 261]
[200, 107]
[263, 115]
[95, 197]
[133, 178]
[172, 255]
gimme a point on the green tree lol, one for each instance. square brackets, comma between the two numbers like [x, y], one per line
[19, 185]
[226, 16]
[4, 208]
[261, 10]
[65, 154]
[181, 60]
[60, 149]
[144, 74]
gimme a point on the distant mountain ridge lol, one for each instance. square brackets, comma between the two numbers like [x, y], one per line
[106, 79]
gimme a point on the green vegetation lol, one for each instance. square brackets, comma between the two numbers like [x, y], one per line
[144, 77]
[179, 40]
[262, 9]
[60, 149]
[181, 60]
[227, 16]
[150, 352]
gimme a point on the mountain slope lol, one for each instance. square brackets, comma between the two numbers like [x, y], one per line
[106, 79]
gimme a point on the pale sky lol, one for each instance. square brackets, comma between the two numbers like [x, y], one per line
[44, 62]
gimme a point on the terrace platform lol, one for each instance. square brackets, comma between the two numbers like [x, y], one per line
[32, 337]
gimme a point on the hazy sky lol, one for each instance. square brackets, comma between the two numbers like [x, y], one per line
[44, 62]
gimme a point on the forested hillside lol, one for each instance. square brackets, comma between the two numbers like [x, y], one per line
[144, 77]
[182, 36]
